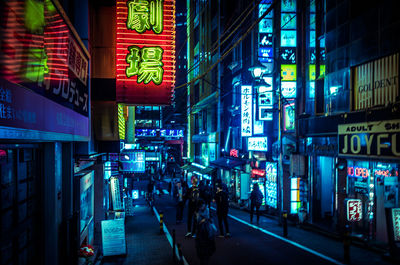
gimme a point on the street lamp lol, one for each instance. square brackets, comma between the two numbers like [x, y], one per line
[257, 70]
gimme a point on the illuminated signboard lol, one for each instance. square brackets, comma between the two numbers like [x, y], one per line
[288, 38]
[378, 138]
[145, 51]
[234, 153]
[257, 144]
[265, 29]
[255, 172]
[354, 210]
[171, 133]
[289, 117]
[288, 72]
[288, 89]
[246, 111]
[271, 184]
[288, 20]
[158, 133]
[312, 71]
[41, 52]
[133, 161]
[288, 55]
[265, 39]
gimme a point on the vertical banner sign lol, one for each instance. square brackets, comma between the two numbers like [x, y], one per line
[247, 117]
[145, 51]
[354, 210]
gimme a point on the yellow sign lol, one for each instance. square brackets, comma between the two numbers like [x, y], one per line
[288, 72]
[376, 83]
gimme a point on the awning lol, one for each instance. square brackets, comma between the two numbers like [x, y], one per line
[226, 163]
[207, 170]
[189, 167]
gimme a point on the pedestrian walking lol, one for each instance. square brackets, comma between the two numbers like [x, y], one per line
[192, 196]
[179, 193]
[221, 199]
[205, 240]
[206, 193]
[256, 198]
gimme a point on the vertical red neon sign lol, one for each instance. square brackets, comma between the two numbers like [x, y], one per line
[145, 51]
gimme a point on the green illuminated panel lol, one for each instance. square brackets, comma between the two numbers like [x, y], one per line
[146, 63]
[312, 71]
[121, 122]
[288, 72]
[145, 15]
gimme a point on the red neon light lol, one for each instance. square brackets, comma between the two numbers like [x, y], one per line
[234, 153]
[258, 172]
[128, 90]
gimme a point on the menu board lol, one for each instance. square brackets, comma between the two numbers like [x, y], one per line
[113, 237]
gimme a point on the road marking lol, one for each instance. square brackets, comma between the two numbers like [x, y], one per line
[285, 239]
[169, 237]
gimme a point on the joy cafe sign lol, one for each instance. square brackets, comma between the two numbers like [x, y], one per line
[145, 51]
[370, 139]
[354, 210]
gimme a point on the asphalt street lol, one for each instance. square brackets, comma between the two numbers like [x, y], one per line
[246, 246]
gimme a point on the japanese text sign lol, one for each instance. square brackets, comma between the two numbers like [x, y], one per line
[257, 144]
[145, 51]
[354, 210]
[247, 117]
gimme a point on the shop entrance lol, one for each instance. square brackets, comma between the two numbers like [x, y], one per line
[19, 204]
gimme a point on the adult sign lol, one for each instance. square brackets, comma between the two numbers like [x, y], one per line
[372, 139]
[145, 51]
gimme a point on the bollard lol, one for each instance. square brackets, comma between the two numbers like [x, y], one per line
[346, 244]
[173, 245]
[284, 223]
[180, 255]
[161, 223]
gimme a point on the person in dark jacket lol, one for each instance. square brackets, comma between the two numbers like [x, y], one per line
[221, 199]
[205, 246]
[178, 194]
[256, 198]
[206, 193]
[192, 196]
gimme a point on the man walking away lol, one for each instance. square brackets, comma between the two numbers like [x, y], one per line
[256, 198]
[192, 195]
[221, 199]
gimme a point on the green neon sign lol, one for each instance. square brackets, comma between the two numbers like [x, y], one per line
[145, 15]
[146, 63]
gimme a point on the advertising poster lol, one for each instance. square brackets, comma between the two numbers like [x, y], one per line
[288, 21]
[288, 89]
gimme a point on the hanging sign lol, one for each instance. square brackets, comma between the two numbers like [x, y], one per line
[145, 51]
[257, 144]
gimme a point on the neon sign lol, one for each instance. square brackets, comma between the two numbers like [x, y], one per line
[364, 172]
[145, 51]
[257, 144]
[257, 172]
[145, 15]
[247, 117]
[234, 153]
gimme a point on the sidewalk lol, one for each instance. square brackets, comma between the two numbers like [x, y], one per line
[310, 237]
[145, 244]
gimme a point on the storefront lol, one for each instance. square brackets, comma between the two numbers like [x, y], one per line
[372, 153]
[44, 113]
[314, 192]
